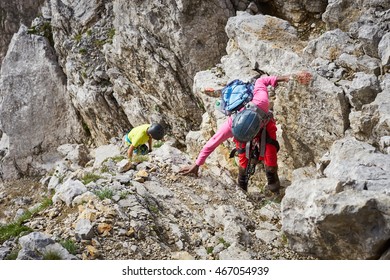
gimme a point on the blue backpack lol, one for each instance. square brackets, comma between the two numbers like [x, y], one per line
[235, 95]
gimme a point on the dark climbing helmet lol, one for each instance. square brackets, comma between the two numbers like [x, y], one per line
[246, 125]
[156, 131]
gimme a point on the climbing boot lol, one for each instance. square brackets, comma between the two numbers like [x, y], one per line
[273, 179]
[242, 179]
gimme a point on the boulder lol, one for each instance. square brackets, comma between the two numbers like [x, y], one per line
[37, 245]
[36, 114]
[344, 214]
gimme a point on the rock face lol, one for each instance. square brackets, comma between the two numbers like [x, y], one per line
[36, 112]
[345, 213]
[80, 30]
[144, 57]
[12, 14]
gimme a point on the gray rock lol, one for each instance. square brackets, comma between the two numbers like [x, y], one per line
[384, 49]
[366, 64]
[372, 123]
[266, 236]
[84, 230]
[345, 214]
[234, 253]
[36, 245]
[124, 165]
[105, 152]
[329, 46]
[385, 255]
[384, 144]
[129, 201]
[156, 190]
[31, 79]
[202, 253]
[16, 13]
[359, 163]
[76, 155]
[370, 34]
[363, 90]
[69, 190]
[4, 252]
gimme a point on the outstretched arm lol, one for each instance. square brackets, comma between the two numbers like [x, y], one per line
[223, 133]
[302, 77]
[130, 151]
[150, 144]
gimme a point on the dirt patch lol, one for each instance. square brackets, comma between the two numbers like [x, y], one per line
[19, 194]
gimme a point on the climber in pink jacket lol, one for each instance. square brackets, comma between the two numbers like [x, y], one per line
[261, 100]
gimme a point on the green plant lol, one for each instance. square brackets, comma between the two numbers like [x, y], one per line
[46, 202]
[118, 158]
[284, 239]
[12, 230]
[61, 179]
[140, 158]
[104, 193]
[111, 33]
[50, 255]
[123, 194]
[104, 169]
[16, 228]
[78, 37]
[224, 242]
[99, 43]
[82, 51]
[70, 246]
[13, 255]
[210, 250]
[153, 208]
[90, 177]
[158, 144]
[44, 29]
[86, 129]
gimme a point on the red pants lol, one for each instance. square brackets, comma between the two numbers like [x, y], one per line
[270, 156]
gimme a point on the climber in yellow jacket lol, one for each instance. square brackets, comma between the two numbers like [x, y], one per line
[140, 135]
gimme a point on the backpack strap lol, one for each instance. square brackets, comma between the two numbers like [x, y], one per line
[235, 150]
[265, 139]
[262, 142]
[271, 141]
[268, 140]
[265, 117]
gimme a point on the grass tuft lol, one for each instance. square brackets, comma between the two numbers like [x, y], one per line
[12, 230]
[16, 228]
[70, 246]
[104, 193]
[90, 177]
[52, 256]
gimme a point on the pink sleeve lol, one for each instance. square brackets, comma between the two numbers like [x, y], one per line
[265, 81]
[260, 92]
[223, 133]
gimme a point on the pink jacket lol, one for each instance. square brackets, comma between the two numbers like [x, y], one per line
[260, 98]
